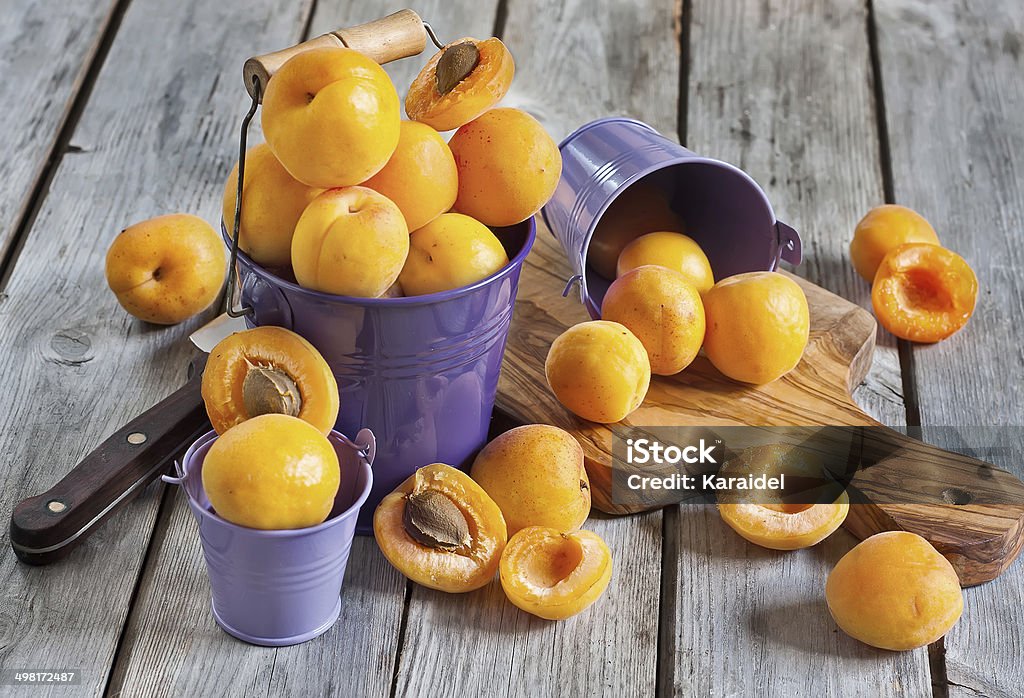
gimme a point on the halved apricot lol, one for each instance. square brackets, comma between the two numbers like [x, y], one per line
[440, 529]
[268, 370]
[460, 82]
[923, 292]
[555, 575]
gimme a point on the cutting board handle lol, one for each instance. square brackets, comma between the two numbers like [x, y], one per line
[398, 35]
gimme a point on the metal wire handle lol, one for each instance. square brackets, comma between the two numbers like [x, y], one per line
[233, 275]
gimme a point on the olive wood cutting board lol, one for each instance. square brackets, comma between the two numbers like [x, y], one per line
[976, 512]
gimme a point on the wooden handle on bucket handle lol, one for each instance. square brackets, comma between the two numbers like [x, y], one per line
[398, 35]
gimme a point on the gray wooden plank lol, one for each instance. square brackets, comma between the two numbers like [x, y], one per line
[954, 98]
[48, 47]
[582, 61]
[782, 89]
[156, 136]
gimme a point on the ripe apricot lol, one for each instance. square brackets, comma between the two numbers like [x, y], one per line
[166, 269]
[268, 370]
[451, 251]
[758, 325]
[351, 241]
[460, 82]
[663, 309]
[894, 591]
[440, 529]
[598, 370]
[555, 575]
[535, 474]
[642, 208]
[508, 167]
[420, 177]
[675, 251]
[923, 292]
[883, 229]
[331, 116]
[272, 472]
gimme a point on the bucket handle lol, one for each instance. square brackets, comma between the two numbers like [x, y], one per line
[790, 248]
[178, 478]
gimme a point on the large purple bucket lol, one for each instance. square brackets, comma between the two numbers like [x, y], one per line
[278, 588]
[420, 372]
[724, 210]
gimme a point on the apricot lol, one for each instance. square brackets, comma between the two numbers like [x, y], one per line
[440, 529]
[894, 591]
[883, 229]
[268, 370]
[420, 177]
[272, 201]
[535, 474]
[675, 251]
[758, 325]
[166, 269]
[923, 292]
[460, 82]
[331, 116]
[272, 472]
[642, 208]
[663, 309]
[351, 241]
[598, 370]
[451, 251]
[555, 575]
[508, 167]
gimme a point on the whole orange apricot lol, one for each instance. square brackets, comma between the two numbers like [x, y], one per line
[166, 269]
[923, 292]
[894, 591]
[331, 116]
[663, 309]
[883, 229]
[758, 325]
[272, 472]
[555, 575]
[598, 370]
[272, 201]
[451, 251]
[508, 167]
[675, 251]
[460, 82]
[535, 474]
[440, 529]
[351, 241]
[420, 176]
[640, 209]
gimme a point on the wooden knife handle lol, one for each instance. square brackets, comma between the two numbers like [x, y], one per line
[47, 527]
[398, 35]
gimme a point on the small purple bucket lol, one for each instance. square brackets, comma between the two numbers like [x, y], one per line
[724, 210]
[276, 588]
[420, 372]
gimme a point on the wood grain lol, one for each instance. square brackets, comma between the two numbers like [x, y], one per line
[955, 107]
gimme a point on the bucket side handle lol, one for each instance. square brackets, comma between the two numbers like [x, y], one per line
[790, 247]
[365, 445]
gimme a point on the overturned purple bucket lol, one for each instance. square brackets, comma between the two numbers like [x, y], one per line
[420, 372]
[723, 208]
[277, 588]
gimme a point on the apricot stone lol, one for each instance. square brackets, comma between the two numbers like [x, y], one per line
[894, 591]
[451, 251]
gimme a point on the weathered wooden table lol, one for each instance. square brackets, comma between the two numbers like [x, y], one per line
[117, 110]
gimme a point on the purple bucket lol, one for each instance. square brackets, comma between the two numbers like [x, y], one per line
[723, 209]
[420, 372]
[278, 588]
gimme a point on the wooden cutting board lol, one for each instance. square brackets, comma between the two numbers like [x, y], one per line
[975, 514]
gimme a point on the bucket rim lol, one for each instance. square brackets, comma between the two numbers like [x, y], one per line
[346, 515]
[405, 301]
[605, 120]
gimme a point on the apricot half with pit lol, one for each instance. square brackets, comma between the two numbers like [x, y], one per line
[552, 574]
[268, 370]
[923, 292]
[535, 474]
[894, 591]
[460, 82]
[440, 529]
